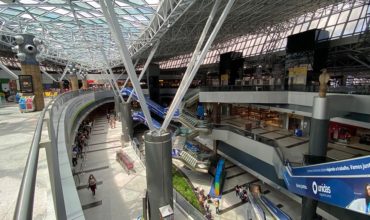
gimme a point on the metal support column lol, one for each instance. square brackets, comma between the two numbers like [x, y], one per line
[186, 83]
[48, 75]
[8, 71]
[158, 171]
[150, 57]
[111, 76]
[135, 64]
[65, 71]
[111, 18]
[126, 120]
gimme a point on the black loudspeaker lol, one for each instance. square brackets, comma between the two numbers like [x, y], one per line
[231, 63]
[153, 86]
[305, 41]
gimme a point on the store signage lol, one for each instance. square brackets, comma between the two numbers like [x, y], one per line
[343, 183]
[26, 83]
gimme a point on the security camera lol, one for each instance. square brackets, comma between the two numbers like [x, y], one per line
[21, 56]
[39, 58]
[30, 48]
[37, 41]
[15, 49]
[19, 39]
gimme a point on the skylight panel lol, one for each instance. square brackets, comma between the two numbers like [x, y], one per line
[27, 16]
[52, 15]
[61, 11]
[128, 18]
[10, 12]
[83, 5]
[28, 2]
[152, 2]
[94, 4]
[48, 8]
[85, 14]
[138, 2]
[121, 4]
[132, 11]
[140, 17]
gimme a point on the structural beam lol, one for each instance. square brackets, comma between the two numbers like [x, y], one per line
[200, 41]
[48, 75]
[199, 59]
[65, 71]
[150, 57]
[8, 71]
[135, 64]
[111, 76]
[111, 18]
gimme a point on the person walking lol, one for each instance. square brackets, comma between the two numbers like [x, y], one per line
[217, 205]
[74, 156]
[237, 190]
[92, 184]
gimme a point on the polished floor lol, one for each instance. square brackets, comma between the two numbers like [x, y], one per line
[16, 133]
[119, 193]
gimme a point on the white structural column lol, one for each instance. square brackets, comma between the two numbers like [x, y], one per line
[48, 75]
[110, 76]
[8, 71]
[106, 77]
[135, 64]
[200, 42]
[113, 24]
[65, 71]
[185, 83]
[150, 57]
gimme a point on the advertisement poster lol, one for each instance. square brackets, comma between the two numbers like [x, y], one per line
[343, 183]
[26, 83]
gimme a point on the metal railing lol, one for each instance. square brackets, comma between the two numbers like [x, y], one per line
[186, 206]
[177, 197]
[24, 205]
[360, 90]
[279, 162]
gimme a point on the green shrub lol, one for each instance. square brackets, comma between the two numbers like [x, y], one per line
[182, 186]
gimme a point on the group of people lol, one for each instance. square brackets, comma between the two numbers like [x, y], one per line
[81, 140]
[241, 192]
[80, 143]
[205, 201]
[112, 118]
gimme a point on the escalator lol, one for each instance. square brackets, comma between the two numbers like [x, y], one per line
[341, 187]
[153, 106]
[139, 116]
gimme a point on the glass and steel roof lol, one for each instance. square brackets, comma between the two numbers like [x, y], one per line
[75, 30]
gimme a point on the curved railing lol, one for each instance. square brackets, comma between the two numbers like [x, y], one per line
[279, 162]
[24, 205]
[360, 90]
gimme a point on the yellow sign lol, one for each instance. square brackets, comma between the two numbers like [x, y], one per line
[297, 70]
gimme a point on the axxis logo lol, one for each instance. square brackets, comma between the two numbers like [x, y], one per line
[320, 188]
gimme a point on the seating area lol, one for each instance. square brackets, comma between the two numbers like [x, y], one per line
[125, 161]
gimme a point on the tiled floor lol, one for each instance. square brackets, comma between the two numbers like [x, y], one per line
[119, 194]
[230, 206]
[16, 132]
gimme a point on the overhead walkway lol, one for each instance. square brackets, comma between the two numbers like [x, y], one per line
[263, 158]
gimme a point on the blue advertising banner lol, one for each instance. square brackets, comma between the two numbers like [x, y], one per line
[343, 183]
